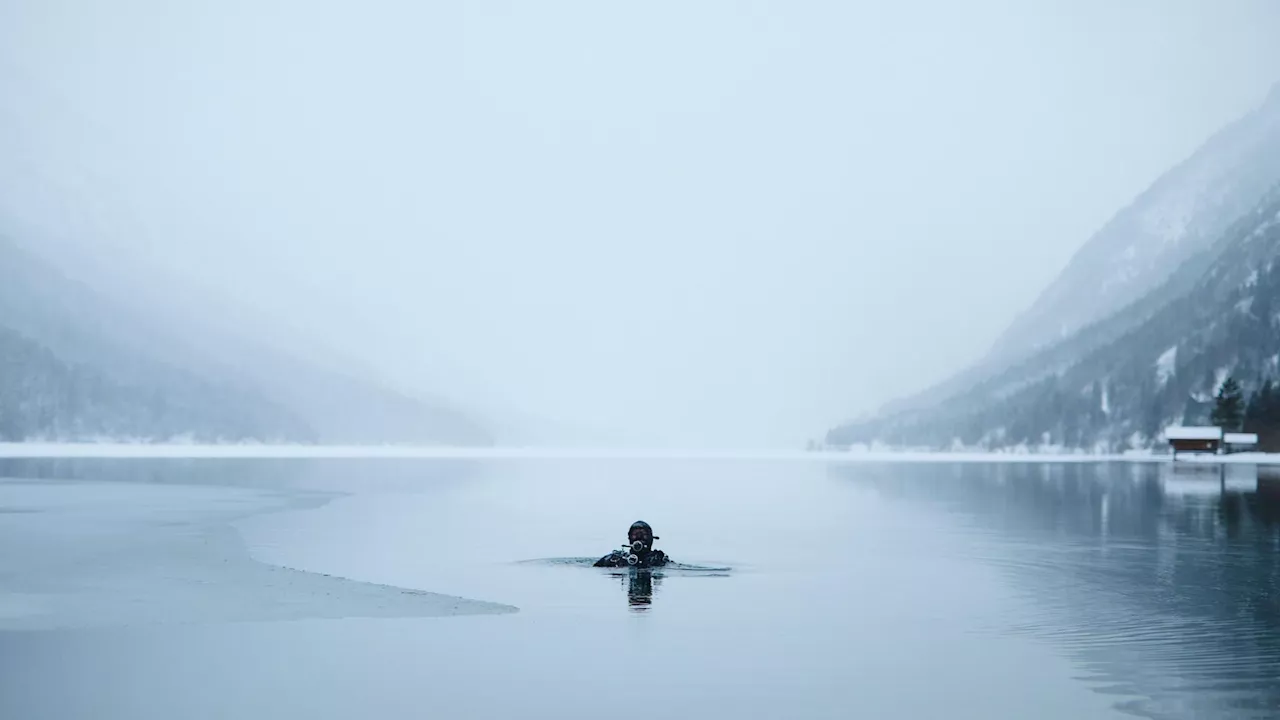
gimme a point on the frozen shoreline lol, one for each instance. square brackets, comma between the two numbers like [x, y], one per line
[108, 450]
[95, 554]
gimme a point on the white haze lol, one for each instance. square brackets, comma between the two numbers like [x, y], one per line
[703, 224]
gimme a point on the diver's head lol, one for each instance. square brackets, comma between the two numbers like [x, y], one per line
[640, 531]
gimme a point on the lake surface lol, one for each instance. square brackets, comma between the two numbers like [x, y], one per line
[813, 591]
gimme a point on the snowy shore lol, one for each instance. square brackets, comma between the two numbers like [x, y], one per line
[110, 450]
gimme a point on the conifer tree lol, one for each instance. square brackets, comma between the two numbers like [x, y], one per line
[1229, 409]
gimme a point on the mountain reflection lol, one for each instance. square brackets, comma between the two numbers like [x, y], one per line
[1161, 579]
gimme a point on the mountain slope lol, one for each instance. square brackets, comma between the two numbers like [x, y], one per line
[70, 371]
[45, 397]
[1122, 380]
[208, 380]
[1181, 214]
[1146, 246]
[1149, 252]
[200, 326]
[132, 322]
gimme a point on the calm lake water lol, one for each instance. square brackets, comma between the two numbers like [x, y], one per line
[816, 591]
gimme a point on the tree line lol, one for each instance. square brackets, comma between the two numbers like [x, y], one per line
[1258, 413]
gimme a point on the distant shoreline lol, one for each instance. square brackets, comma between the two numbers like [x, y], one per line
[194, 451]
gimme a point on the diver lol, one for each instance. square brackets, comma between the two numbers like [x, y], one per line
[638, 552]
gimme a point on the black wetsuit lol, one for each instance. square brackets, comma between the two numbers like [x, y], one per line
[648, 559]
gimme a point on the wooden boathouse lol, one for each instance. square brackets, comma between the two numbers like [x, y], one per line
[1194, 439]
[1208, 439]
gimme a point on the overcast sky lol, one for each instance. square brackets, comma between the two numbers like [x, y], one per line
[705, 223]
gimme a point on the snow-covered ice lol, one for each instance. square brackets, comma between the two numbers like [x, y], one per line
[82, 554]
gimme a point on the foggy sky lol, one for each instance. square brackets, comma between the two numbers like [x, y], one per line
[716, 223]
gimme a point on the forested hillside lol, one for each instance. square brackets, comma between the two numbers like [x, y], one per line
[1120, 382]
[78, 364]
[43, 397]
[1149, 252]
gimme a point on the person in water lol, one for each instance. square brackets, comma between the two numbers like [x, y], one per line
[640, 551]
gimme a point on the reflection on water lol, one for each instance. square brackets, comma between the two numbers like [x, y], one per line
[1164, 581]
[640, 584]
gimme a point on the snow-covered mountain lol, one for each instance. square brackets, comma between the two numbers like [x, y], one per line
[1181, 214]
[1117, 383]
[70, 369]
[75, 312]
[1151, 246]
[1140, 326]
[81, 363]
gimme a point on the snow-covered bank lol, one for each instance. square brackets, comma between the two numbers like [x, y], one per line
[103, 554]
[266, 451]
[269, 451]
[1244, 458]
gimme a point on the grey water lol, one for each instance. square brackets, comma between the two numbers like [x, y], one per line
[807, 590]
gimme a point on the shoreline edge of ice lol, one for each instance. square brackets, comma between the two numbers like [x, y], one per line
[194, 451]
